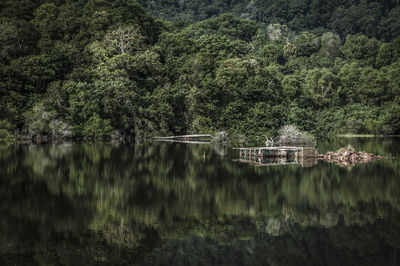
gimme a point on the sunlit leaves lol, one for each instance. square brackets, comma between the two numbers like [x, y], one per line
[124, 39]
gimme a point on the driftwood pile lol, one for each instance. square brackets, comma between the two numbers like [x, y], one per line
[348, 157]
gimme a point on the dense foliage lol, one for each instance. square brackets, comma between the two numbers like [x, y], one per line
[379, 18]
[103, 68]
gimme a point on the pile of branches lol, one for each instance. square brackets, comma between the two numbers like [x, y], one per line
[348, 156]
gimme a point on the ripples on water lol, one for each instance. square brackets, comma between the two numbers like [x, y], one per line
[179, 204]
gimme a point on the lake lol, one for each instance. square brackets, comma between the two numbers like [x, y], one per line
[181, 204]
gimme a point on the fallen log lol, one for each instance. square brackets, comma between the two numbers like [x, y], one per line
[184, 141]
[184, 137]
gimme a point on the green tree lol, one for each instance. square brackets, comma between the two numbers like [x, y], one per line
[97, 128]
[360, 47]
[386, 56]
[5, 132]
[322, 85]
[307, 43]
[330, 44]
[272, 53]
[45, 20]
[41, 121]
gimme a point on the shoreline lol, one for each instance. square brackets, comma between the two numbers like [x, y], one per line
[366, 136]
[24, 139]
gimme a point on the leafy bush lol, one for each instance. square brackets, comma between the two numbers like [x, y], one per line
[5, 134]
[97, 128]
[41, 121]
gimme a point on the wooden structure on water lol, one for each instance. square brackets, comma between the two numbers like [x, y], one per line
[265, 156]
[192, 139]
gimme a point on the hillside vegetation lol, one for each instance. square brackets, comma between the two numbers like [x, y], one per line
[379, 18]
[99, 69]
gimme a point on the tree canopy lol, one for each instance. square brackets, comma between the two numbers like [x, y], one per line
[98, 68]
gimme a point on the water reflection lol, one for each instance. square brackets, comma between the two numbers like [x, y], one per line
[191, 204]
[271, 161]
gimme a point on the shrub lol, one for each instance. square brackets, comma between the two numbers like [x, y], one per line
[290, 135]
[60, 129]
[5, 134]
[42, 121]
[221, 137]
[97, 128]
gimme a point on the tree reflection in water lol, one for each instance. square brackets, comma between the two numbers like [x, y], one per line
[97, 204]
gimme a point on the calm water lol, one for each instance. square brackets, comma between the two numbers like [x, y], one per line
[178, 204]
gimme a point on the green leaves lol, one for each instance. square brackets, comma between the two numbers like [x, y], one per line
[17, 38]
[5, 132]
[97, 128]
[45, 19]
[42, 121]
[39, 70]
[101, 64]
[272, 53]
[387, 55]
[123, 39]
[306, 44]
[360, 47]
[123, 53]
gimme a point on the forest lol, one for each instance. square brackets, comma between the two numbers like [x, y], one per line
[102, 69]
[377, 19]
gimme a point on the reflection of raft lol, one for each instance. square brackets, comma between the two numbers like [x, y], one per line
[269, 161]
[279, 156]
[289, 152]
